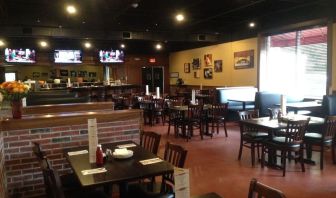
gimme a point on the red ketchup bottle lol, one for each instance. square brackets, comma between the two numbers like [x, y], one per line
[99, 156]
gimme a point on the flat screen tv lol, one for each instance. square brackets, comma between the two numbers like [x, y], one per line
[68, 56]
[111, 56]
[20, 55]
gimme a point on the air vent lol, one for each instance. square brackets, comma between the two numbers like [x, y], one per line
[126, 35]
[201, 37]
[27, 31]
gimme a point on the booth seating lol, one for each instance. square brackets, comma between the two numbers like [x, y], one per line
[224, 94]
[54, 97]
[329, 105]
[265, 100]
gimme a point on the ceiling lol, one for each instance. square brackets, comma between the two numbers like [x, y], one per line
[145, 21]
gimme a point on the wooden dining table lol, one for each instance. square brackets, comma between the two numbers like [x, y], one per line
[119, 171]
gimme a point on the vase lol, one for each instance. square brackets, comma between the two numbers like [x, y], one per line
[16, 109]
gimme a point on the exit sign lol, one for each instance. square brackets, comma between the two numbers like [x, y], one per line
[152, 60]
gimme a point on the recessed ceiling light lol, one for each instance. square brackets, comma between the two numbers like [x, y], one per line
[83, 22]
[87, 44]
[43, 44]
[122, 45]
[158, 46]
[179, 17]
[251, 24]
[2, 43]
[71, 9]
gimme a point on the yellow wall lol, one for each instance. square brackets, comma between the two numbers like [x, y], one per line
[333, 69]
[229, 76]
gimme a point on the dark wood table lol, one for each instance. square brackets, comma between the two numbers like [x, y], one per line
[242, 100]
[272, 125]
[119, 171]
[308, 105]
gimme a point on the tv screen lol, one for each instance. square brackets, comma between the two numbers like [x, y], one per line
[111, 56]
[68, 56]
[20, 55]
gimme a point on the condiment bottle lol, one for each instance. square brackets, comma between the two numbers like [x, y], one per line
[99, 156]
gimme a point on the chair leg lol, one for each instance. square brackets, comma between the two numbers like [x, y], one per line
[301, 159]
[252, 153]
[240, 149]
[333, 152]
[283, 159]
[321, 156]
[309, 151]
[262, 156]
[226, 135]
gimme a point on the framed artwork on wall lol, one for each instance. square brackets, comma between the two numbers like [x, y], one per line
[82, 73]
[92, 74]
[73, 73]
[36, 74]
[186, 67]
[196, 74]
[174, 74]
[196, 63]
[218, 65]
[64, 72]
[244, 59]
[208, 73]
[208, 59]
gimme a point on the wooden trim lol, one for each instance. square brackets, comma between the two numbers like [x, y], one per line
[61, 119]
[72, 107]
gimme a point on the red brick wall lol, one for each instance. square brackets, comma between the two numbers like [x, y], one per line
[2, 170]
[24, 177]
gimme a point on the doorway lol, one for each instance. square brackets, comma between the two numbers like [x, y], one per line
[153, 77]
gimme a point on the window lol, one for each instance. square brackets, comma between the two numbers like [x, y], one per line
[295, 63]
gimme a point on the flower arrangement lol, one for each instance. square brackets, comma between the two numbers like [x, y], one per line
[14, 91]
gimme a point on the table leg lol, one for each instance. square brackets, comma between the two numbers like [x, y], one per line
[123, 189]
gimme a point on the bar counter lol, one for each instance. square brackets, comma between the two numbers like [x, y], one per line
[20, 173]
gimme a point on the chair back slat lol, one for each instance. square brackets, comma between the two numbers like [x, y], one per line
[246, 115]
[150, 141]
[195, 111]
[259, 190]
[219, 110]
[296, 130]
[329, 127]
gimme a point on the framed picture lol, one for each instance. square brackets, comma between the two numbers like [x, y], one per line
[208, 59]
[196, 63]
[82, 73]
[208, 73]
[218, 65]
[244, 59]
[174, 74]
[186, 67]
[92, 74]
[64, 72]
[196, 74]
[36, 74]
[73, 73]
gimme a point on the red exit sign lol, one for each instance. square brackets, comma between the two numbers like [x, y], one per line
[152, 60]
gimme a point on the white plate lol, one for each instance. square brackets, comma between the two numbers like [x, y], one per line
[128, 155]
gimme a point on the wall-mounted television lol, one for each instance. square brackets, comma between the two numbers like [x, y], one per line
[68, 56]
[111, 56]
[20, 55]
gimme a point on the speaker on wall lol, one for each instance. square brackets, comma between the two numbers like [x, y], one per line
[126, 35]
[201, 37]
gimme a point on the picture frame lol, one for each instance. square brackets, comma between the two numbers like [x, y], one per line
[82, 73]
[208, 73]
[208, 59]
[73, 73]
[36, 74]
[64, 72]
[196, 63]
[174, 74]
[244, 59]
[186, 67]
[196, 74]
[92, 74]
[218, 65]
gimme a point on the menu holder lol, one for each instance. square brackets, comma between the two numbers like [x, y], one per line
[182, 185]
[93, 139]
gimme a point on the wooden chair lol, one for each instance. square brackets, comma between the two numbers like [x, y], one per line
[193, 120]
[176, 155]
[250, 137]
[158, 110]
[150, 141]
[54, 188]
[291, 142]
[326, 138]
[218, 115]
[258, 190]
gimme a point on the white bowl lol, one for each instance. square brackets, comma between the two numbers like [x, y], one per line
[123, 156]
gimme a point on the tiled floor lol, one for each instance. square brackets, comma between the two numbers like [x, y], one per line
[214, 167]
